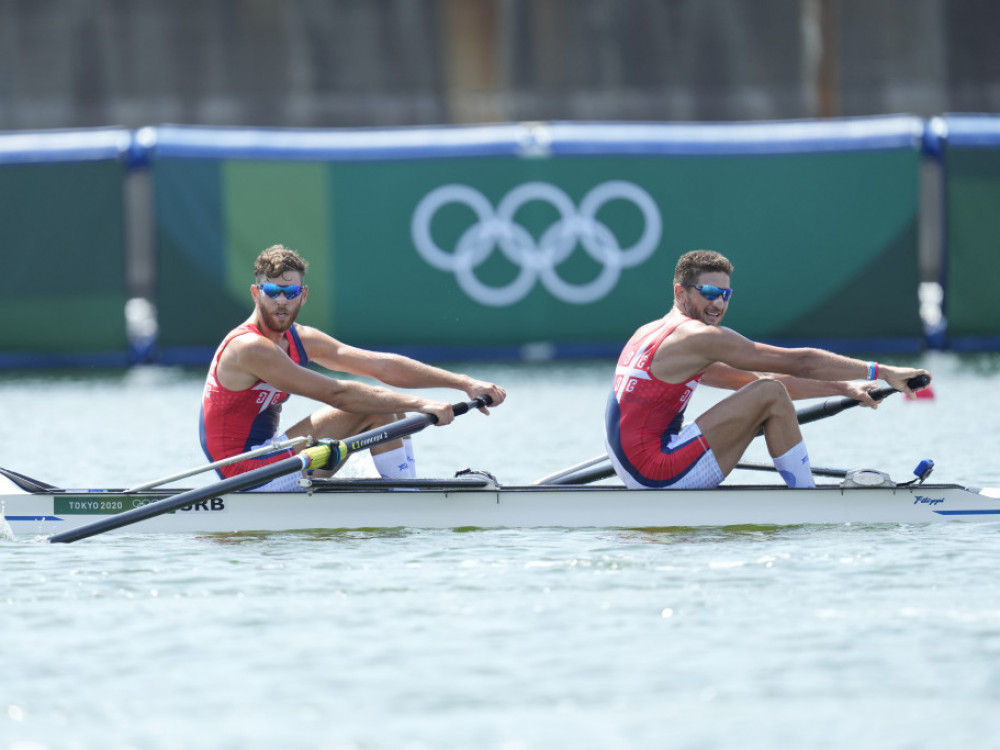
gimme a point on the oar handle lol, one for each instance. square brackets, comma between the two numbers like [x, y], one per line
[477, 403]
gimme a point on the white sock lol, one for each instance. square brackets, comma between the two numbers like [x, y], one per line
[393, 464]
[408, 447]
[794, 467]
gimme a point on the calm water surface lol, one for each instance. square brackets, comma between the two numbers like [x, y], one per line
[819, 637]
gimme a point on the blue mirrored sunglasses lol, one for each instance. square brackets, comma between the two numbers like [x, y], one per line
[291, 291]
[710, 292]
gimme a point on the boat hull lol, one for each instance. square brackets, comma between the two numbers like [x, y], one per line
[349, 507]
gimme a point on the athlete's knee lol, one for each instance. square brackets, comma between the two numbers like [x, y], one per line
[769, 389]
[772, 395]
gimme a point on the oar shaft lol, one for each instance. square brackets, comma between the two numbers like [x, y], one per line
[407, 426]
[553, 478]
[262, 451]
[166, 505]
[585, 476]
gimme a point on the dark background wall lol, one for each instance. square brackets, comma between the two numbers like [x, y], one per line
[332, 63]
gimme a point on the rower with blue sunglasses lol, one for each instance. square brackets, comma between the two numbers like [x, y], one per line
[665, 360]
[261, 362]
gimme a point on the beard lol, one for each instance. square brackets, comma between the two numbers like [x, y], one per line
[276, 323]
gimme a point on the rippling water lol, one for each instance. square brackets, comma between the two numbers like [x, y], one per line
[817, 637]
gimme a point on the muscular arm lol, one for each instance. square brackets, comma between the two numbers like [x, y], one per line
[392, 369]
[731, 361]
[724, 376]
[253, 358]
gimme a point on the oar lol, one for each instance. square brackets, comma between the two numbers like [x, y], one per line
[325, 455]
[262, 451]
[552, 478]
[587, 471]
[594, 474]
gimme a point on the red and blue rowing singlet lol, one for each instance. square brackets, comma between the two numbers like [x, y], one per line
[645, 413]
[234, 422]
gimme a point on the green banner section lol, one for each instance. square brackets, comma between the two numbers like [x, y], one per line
[63, 245]
[973, 246]
[498, 251]
[212, 219]
[275, 203]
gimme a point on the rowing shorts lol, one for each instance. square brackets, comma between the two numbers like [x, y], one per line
[684, 463]
[287, 483]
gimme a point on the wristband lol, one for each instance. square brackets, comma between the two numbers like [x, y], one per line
[872, 371]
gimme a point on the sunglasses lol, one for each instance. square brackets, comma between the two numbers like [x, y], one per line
[710, 292]
[291, 291]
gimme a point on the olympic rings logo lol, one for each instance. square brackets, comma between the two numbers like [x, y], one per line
[536, 259]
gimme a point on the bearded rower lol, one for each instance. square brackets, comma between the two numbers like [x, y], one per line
[260, 363]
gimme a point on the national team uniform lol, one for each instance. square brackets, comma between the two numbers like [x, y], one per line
[234, 422]
[646, 440]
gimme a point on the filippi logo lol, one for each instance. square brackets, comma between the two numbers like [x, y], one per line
[370, 440]
[536, 259]
[922, 500]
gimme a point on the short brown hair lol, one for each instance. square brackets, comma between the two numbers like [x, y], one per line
[691, 265]
[278, 260]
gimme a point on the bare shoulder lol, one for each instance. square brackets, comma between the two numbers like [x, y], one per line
[698, 335]
[308, 332]
[316, 341]
[691, 349]
[247, 359]
[324, 349]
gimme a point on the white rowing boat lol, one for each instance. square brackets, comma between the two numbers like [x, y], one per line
[476, 500]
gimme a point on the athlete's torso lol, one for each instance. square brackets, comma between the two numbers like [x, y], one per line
[642, 409]
[233, 422]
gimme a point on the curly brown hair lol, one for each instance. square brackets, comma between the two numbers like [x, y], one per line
[276, 261]
[691, 265]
